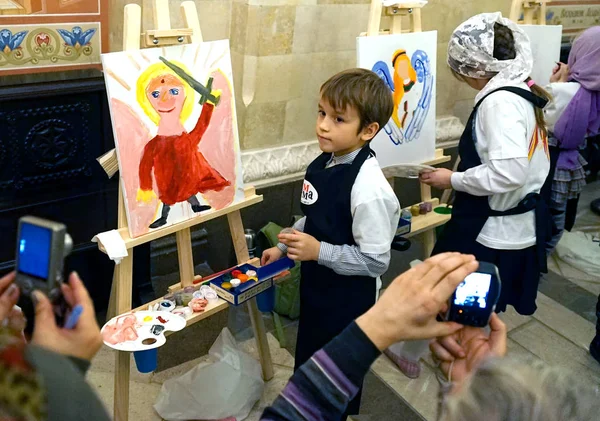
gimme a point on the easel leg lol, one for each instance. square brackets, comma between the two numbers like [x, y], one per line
[112, 301]
[123, 292]
[428, 242]
[262, 344]
[258, 325]
[186, 258]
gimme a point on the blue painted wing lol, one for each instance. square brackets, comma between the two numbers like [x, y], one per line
[67, 37]
[5, 38]
[17, 39]
[381, 69]
[422, 65]
[86, 37]
[394, 133]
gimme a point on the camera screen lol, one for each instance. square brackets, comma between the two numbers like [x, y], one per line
[34, 250]
[473, 291]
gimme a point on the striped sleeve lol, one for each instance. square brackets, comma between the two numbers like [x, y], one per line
[350, 261]
[323, 386]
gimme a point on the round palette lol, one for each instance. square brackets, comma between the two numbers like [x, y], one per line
[407, 170]
[140, 331]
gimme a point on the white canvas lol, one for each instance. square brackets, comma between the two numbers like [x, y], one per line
[174, 145]
[545, 46]
[409, 137]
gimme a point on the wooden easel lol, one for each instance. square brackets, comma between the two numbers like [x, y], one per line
[534, 12]
[396, 12]
[422, 224]
[121, 292]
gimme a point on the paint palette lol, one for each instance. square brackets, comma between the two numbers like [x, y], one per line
[262, 279]
[140, 331]
[407, 170]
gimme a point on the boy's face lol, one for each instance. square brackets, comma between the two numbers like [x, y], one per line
[338, 131]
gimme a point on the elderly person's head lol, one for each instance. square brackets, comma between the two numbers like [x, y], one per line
[521, 389]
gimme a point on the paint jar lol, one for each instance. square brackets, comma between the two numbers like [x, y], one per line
[266, 300]
[178, 299]
[186, 297]
[146, 361]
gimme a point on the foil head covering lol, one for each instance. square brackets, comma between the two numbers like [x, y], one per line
[471, 52]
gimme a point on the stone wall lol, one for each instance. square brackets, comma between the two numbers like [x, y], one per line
[282, 51]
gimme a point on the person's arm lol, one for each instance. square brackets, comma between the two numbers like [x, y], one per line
[298, 226]
[502, 127]
[373, 233]
[562, 94]
[203, 122]
[323, 386]
[69, 395]
[146, 164]
[494, 177]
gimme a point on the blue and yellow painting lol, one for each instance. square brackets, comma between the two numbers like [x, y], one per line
[405, 73]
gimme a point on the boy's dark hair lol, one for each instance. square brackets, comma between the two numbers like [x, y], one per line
[362, 90]
[504, 49]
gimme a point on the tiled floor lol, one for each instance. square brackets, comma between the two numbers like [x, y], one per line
[559, 333]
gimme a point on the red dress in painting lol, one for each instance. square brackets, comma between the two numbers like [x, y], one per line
[180, 170]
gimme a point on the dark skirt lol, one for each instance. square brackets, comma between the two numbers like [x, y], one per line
[519, 273]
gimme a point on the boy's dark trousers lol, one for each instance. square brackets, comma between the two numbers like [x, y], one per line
[329, 302]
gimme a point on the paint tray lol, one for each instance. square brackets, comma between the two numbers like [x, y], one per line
[247, 290]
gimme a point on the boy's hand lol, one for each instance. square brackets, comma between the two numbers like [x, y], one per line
[301, 247]
[270, 255]
[440, 178]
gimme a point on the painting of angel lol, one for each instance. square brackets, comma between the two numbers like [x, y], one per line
[407, 64]
[175, 131]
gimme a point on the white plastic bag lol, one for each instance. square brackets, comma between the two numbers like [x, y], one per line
[227, 387]
[579, 250]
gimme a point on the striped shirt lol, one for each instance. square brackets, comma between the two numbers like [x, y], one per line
[346, 259]
[323, 386]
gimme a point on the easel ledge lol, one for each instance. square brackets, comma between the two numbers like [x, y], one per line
[251, 198]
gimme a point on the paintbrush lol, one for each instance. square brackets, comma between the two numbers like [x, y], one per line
[204, 91]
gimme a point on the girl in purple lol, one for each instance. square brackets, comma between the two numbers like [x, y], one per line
[572, 116]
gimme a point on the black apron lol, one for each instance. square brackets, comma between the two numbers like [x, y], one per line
[330, 302]
[470, 213]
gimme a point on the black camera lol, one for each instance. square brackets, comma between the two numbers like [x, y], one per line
[42, 246]
[475, 298]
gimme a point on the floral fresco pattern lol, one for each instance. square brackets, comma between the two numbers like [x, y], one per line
[52, 45]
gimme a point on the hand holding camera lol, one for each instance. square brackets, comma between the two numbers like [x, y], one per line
[59, 316]
[409, 306]
[84, 339]
[461, 352]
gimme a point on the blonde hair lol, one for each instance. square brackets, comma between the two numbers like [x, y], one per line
[522, 389]
[157, 70]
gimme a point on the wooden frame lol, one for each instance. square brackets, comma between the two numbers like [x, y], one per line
[43, 49]
[120, 301]
[423, 224]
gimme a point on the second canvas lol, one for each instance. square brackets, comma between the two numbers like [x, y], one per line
[407, 64]
[174, 121]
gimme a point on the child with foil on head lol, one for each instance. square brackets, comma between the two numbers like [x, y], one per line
[351, 214]
[498, 214]
[572, 116]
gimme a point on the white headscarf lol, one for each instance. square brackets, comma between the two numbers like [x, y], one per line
[471, 53]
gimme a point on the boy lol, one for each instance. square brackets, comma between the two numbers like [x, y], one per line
[351, 214]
